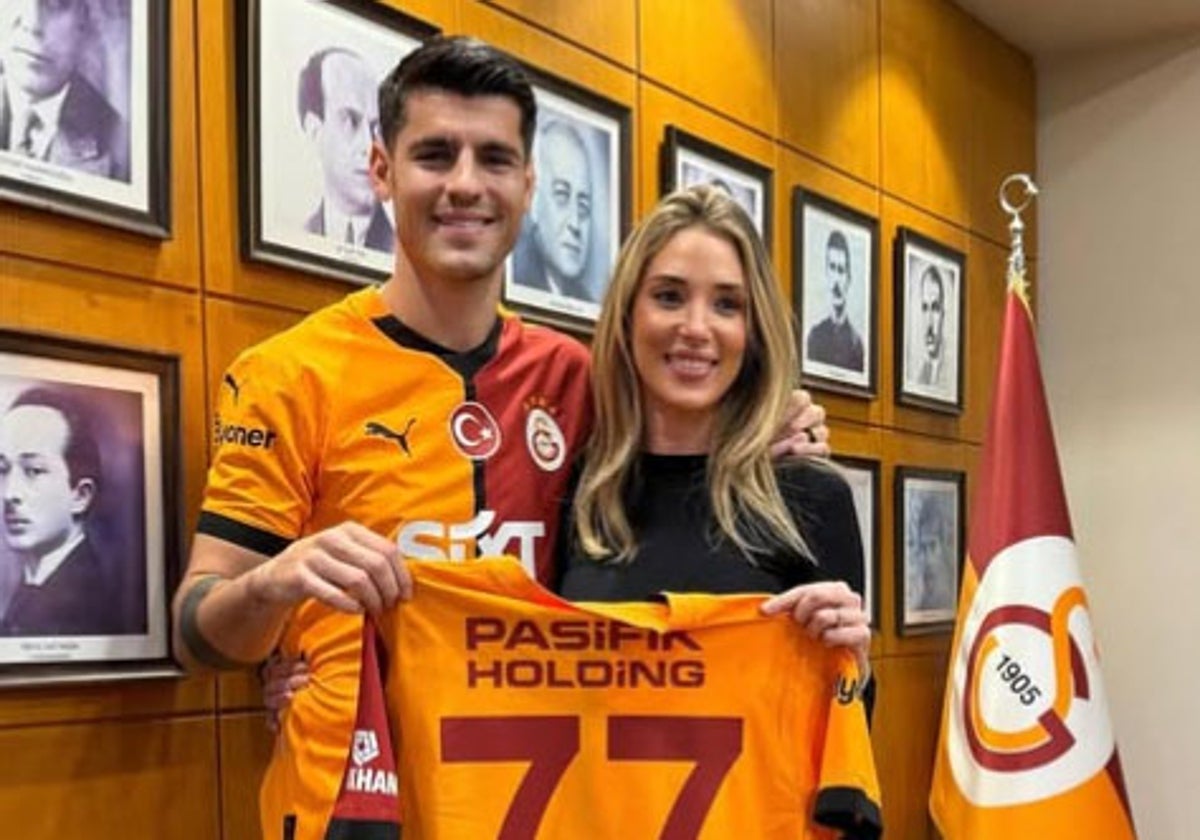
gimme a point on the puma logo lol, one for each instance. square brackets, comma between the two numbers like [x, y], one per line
[377, 429]
[233, 386]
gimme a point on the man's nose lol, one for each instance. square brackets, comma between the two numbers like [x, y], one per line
[464, 177]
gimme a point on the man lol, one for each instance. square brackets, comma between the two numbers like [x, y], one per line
[834, 340]
[49, 478]
[555, 254]
[932, 323]
[339, 114]
[410, 419]
[48, 111]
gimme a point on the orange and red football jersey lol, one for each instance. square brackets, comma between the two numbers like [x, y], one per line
[518, 715]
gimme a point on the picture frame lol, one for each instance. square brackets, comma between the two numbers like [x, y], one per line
[930, 306]
[94, 144]
[862, 474]
[305, 192]
[687, 160]
[835, 294]
[930, 548]
[565, 254]
[88, 562]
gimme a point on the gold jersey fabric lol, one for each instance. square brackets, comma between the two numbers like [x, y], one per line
[351, 416]
[518, 715]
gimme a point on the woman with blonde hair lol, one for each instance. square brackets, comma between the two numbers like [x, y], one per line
[693, 362]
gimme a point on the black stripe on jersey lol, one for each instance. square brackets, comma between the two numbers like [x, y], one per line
[851, 810]
[238, 533]
[343, 829]
[466, 364]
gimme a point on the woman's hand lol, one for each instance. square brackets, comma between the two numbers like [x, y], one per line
[281, 678]
[830, 612]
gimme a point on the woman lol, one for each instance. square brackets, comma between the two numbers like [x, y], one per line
[693, 362]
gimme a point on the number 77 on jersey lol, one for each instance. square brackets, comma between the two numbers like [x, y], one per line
[522, 716]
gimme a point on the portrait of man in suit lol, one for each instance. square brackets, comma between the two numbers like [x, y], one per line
[932, 317]
[554, 254]
[48, 110]
[834, 340]
[50, 478]
[339, 113]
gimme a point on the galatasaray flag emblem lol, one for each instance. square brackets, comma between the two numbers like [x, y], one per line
[1026, 746]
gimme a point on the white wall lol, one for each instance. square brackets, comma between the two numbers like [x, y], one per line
[1119, 297]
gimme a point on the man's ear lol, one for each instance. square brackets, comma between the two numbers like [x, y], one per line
[380, 166]
[82, 496]
[311, 124]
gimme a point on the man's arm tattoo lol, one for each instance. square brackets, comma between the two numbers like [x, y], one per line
[189, 627]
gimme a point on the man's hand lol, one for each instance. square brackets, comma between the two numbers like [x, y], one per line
[348, 568]
[804, 432]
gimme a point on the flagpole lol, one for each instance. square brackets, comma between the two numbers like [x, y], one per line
[1016, 229]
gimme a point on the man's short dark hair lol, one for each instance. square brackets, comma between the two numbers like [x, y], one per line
[837, 240]
[462, 65]
[310, 93]
[81, 452]
[931, 273]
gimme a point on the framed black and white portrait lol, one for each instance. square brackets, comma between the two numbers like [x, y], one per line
[687, 160]
[835, 293]
[862, 474]
[309, 85]
[930, 305]
[929, 548]
[84, 110]
[89, 475]
[564, 256]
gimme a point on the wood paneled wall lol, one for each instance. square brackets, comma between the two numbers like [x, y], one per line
[907, 110]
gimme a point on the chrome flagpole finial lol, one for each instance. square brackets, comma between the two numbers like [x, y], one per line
[1026, 191]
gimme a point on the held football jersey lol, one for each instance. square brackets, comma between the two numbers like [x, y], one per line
[349, 415]
[518, 716]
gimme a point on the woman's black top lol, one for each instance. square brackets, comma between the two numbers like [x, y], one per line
[681, 549]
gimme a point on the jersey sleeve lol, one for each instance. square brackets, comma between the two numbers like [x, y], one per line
[265, 446]
[848, 792]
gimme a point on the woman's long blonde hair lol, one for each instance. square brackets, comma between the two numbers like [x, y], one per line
[745, 496]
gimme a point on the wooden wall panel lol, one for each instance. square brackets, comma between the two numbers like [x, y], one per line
[245, 745]
[1003, 131]
[797, 170]
[548, 53]
[927, 106]
[827, 71]
[608, 28]
[717, 53]
[904, 733]
[175, 261]
[110, 780]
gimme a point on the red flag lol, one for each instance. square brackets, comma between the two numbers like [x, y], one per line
[1026, 746]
